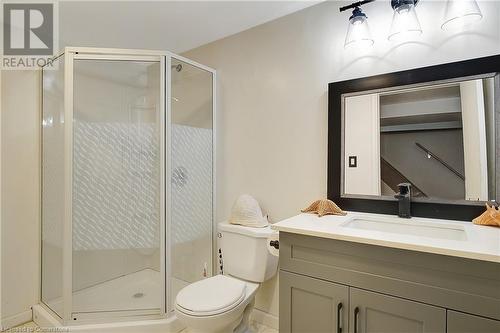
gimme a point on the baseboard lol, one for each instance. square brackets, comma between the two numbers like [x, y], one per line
[17, 319]
[43, 318]
[265, 318]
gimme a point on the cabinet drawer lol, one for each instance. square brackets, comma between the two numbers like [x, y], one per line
[465, 323]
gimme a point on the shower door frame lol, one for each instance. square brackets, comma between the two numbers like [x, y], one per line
[69, 317]
[164, 58]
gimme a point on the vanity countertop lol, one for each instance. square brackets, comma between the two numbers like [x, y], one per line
[474, 241]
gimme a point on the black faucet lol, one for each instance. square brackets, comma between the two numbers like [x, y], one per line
[404, 198]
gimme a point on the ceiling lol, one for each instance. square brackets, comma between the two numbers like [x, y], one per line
[175, 26]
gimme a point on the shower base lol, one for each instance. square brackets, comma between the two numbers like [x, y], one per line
[44, 319]
[135, 291]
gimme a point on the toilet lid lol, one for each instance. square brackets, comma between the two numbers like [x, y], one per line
[212, 295]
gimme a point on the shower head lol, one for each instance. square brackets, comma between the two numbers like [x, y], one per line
[178, 67]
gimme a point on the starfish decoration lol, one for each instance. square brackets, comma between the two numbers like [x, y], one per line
[324, 207]
[490, 217]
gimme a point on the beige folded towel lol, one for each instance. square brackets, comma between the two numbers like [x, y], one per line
[246, 211]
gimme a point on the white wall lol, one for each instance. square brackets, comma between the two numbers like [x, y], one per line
[19, 194]
[272, 103]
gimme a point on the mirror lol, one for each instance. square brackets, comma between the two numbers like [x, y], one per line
[440, 137]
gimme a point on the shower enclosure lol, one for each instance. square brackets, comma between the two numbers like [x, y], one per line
[127, 183]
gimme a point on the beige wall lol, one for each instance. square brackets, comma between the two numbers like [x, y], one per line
[272, 97]
[19, 192]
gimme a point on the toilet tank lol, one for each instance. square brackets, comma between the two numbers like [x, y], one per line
[245, 254]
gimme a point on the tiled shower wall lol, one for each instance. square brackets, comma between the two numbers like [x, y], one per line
[191, 226]
[115, 186]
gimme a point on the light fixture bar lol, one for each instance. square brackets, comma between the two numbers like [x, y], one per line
[355, 4]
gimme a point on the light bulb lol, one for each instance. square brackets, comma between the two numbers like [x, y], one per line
[405, 24]
[358, 30]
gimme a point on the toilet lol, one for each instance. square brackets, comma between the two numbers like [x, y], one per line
[223, 303]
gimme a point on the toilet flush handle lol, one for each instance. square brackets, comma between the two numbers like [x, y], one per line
[275, 244]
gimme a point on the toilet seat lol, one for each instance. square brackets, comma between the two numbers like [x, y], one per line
[211, 296]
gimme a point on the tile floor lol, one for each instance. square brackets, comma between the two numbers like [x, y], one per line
[254, 328]
[259, 328]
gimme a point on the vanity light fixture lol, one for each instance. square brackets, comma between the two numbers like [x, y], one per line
[405, 24]
[461, 13]
[358, 30]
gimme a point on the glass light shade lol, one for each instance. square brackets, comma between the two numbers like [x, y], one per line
[461, 13]
[358, 32]
[405, 24]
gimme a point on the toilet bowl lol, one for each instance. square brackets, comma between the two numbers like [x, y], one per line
[217, 304]
[223, 303]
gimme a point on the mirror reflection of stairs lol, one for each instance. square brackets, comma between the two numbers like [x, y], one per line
[392, 177]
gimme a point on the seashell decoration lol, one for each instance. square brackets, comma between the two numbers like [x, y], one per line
[324, 207]
[490, 217]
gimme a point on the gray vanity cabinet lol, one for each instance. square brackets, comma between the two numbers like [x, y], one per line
[465, 323]
[390, 290]
[312, 305]
[376, 313]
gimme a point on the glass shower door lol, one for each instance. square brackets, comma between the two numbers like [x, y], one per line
[191, 212]
[118, 187]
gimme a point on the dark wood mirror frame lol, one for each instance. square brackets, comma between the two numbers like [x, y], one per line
[452, 211]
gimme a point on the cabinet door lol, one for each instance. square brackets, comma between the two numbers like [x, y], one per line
[376, 313]
[309, 305]
[465, 323]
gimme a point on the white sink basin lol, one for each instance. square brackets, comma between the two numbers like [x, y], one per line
[414, 227]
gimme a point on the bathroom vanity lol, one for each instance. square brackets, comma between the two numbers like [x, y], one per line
[424, 143]
[421, 143]
[364, 273]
